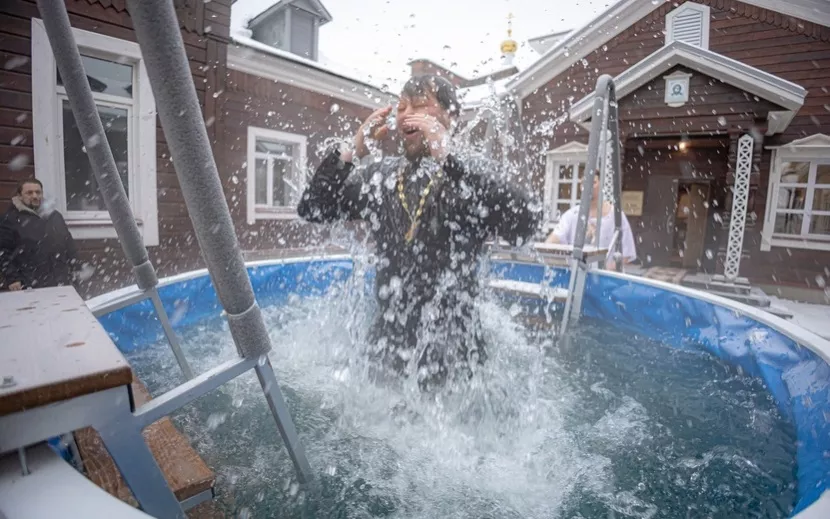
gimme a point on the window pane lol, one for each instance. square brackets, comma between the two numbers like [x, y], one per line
[821, 200]
[261, 181]
[820, 224]
[107, 77]
[565, 191]
[283, 183]
[788, 223]
[565, 172]
[81, 187]
[792, 197]
[795, 172]
[823, 174]
[274, 148]
[562, 208]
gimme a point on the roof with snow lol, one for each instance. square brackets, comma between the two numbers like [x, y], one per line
[315, 6]
[619, 17]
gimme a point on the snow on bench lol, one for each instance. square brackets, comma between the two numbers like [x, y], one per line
[53, 488]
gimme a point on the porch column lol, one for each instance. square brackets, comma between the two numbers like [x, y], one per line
[740, 198]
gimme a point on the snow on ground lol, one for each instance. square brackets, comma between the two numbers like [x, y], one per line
[812, 317]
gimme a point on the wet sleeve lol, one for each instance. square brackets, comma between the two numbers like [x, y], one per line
[506, 208]
[564, 229]
[69, 243]
[334, 193]
[8, 248]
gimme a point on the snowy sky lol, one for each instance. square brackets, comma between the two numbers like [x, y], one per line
[378, 37]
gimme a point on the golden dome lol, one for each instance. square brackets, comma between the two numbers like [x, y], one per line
[509, 46]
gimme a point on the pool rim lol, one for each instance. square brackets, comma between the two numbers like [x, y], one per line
[805, 338]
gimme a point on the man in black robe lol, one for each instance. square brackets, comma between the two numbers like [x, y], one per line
[429, 212]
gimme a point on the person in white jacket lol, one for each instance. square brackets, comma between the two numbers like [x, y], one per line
[565, 230]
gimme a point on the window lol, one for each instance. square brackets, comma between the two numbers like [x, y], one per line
[125, 104]
[798, 201]
[689, 23]
[563, 179]
[276, 174]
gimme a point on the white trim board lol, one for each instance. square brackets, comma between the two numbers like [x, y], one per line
[749, 79]
[247, 56]
[48, 135]
[619, 17]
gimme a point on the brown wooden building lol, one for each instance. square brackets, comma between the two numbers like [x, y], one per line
[694, 78]
[268, 104]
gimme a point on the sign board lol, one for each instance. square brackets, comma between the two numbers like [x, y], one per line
[677, 89]
[632, 203]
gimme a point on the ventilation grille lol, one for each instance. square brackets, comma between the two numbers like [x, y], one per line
[688, 25]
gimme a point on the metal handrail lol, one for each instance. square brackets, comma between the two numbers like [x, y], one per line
[163, 52]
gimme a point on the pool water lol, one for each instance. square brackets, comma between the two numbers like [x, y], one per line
[598, 424]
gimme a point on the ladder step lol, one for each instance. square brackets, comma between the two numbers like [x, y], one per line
[185, 471]
[526, 289]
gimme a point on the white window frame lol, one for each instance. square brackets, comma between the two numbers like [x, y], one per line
[47, 116]
[706, 13]
[269, 212]
[570, 154]
[815, 150]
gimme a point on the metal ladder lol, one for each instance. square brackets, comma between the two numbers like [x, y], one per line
[163, 51]
[603, 147]
[582, 257]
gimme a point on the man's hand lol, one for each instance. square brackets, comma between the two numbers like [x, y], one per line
[434, 133]
[374, 127]
[17, 285]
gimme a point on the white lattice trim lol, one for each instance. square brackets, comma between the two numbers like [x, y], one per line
[740, 198]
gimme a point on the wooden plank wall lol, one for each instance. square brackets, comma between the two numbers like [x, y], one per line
[795, 50]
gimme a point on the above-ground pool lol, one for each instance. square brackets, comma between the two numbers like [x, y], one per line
[662, 402]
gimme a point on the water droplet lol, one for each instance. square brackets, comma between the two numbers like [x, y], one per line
[17, 140]
[334, 108]
[17, 61]
[722, 120]
[19, 162]
[234, 179]
[245, 513]
[215, 420]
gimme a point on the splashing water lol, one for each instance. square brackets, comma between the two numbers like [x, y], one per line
[601, 425]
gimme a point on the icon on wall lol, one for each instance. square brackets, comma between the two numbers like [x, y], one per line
[677, 89]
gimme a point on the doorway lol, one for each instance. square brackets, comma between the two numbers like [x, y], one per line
[691, 218]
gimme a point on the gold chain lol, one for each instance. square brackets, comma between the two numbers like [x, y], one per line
[410, 234]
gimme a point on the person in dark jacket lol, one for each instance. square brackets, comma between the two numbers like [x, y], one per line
[36, 248]
[430, 212]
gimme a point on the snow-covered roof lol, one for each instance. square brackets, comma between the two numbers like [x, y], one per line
[473, 97]
[253, 57]
[620, 16]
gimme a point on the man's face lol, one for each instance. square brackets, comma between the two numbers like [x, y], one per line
[31, 195]
[414, 143]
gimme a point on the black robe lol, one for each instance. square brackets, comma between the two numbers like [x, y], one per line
[426, 288]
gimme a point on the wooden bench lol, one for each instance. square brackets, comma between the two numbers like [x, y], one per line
[61, 372]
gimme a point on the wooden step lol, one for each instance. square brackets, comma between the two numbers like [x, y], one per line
[185, 471]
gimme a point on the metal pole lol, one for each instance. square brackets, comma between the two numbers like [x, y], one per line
[162, 48]
[616, 161]
[70, 66]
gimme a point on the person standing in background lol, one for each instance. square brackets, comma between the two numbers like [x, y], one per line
[36, 248]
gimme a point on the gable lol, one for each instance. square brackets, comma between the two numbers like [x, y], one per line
[626, 14]
[785, 98]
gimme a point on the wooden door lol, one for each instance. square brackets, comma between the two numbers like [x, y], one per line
[659, 209]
